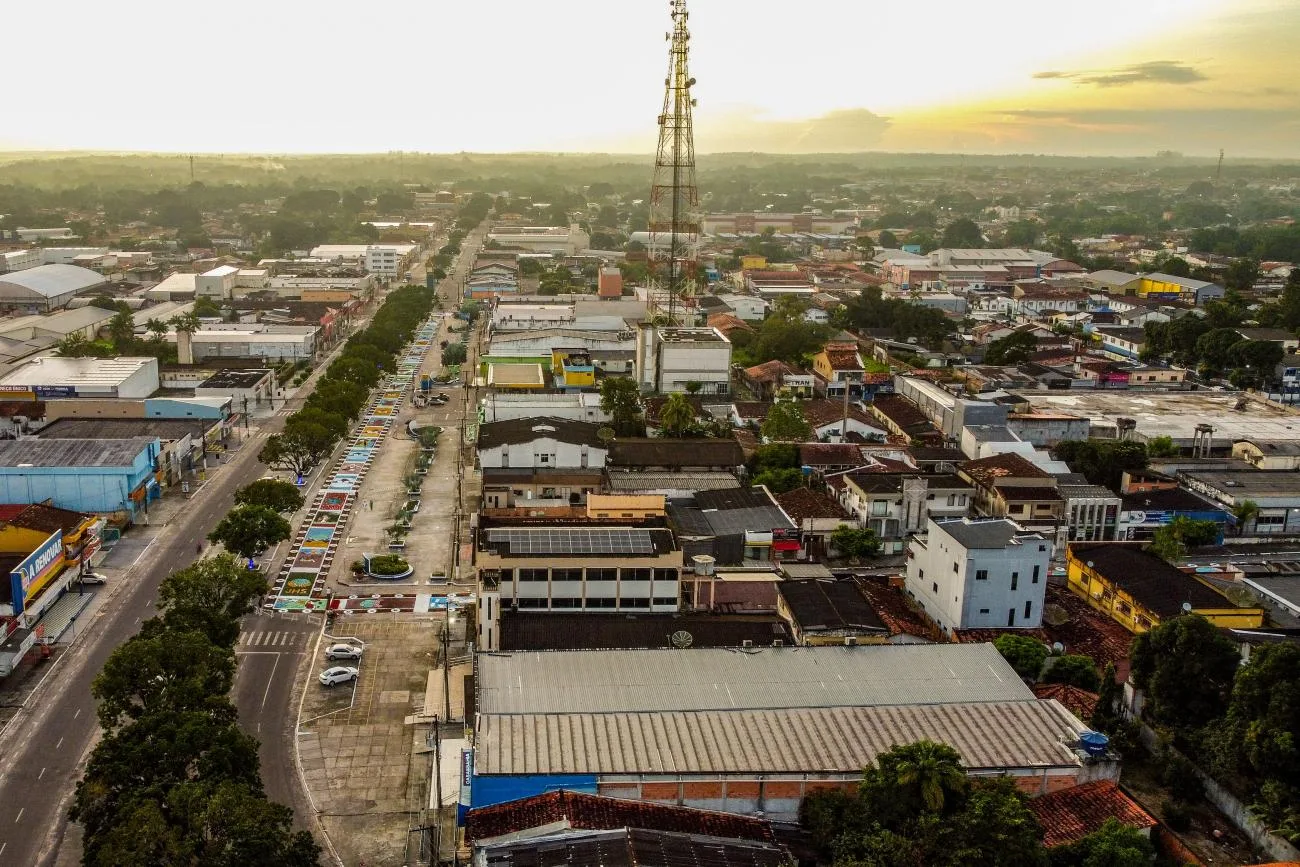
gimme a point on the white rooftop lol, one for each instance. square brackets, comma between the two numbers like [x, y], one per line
[54, 370]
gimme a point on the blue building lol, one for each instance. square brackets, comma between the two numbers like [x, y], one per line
[1143, 513]
[188, 407]
[84, 475]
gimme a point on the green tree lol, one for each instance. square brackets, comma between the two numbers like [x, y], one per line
[454, 353]
[888, 240]
[1103, 462]
[1026, 655]
[275, 494]
[676, 415]
[121, 330]
[209, 596]
[74, 345]
[917, 807]
[1022, 233]
[1185, 666]
[962, 234]
[785, 423]
[246, 531]
[1074, 670]
[855, 543]
[1170, 542]
[162, 672]
[298, 448]
[774, 456]
[1015, 348]
[1260, 737]
[1245, 512]
[336, 424]
[778, 481]
[621, 400]
[1241, 275]
[1162, 447]
[186, 323]
[157, 328]
[1107, 716]
[1114, 844]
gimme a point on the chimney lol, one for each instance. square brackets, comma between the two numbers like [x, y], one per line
[184, 347]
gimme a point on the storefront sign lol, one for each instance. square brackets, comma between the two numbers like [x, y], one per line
[31, 575]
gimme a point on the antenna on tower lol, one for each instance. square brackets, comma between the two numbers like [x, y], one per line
[1218, 174]
[674, 197]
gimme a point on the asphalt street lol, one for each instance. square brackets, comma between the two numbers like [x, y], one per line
[269, 655]
[40, 760]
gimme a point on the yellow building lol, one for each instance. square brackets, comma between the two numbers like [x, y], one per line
[1138, 590]
[624, 507]
[753, 263]
[46, 540]
[572, 369]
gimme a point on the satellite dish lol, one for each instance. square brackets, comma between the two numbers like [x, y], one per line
[682, 639]
[1187, 608]
[1057, 648]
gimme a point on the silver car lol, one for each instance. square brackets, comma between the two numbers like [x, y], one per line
[338, 674]
[343, 651]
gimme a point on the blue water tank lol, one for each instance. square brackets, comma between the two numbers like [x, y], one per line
[1094, 743]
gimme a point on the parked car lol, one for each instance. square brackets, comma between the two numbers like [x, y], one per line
[93, 578]
[338, 674]
[343, 651]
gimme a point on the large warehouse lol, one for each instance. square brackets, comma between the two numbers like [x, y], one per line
[753, 730]
[54, 376]
[46, 287]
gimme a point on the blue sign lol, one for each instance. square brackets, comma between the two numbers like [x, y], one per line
[55, 391]
[33, 573]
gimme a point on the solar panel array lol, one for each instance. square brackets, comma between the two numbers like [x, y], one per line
[613, 540]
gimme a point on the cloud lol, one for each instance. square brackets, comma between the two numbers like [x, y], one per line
[1152, 72]
[842, 131]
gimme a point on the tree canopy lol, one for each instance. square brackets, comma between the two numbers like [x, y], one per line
[1103, 462]
[275, 494]
[248, 530]
[785, 423]
[1186, 667]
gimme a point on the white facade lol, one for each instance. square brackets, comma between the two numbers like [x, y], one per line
[217, 284]
[122, 377]
[19, 260]
[750, 308]
[575, 407]
[383, 261]
[989, 574]
[277, 343]
[668, 359]
[894, 512]
[543, 453]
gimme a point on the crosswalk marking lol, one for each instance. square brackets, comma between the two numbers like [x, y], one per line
[266, 638]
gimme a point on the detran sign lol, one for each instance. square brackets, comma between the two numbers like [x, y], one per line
[31, 575]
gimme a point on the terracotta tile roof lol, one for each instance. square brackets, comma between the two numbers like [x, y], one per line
[1083, 630]
[988, 471]
[1071, 814]
[593, 812]
[1078, 701]
[768, 371]
[727, 322]
[844, 359]
[830, 454]
[801, 503]
[823, 412]
[890, 604]
[752, 409]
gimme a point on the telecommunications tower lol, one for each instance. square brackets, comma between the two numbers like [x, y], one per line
[674, 198]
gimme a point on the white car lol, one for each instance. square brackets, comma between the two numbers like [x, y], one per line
[343, 651]
[93, 579]
[338, 674]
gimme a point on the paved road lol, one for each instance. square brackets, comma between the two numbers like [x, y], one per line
[269, 653]
[40, 762]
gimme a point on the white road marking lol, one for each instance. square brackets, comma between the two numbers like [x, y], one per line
[20, 814]
[59, 744]
[40, 775]
[77, 714]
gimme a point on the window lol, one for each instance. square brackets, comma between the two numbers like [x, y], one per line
[962, 501]
[955, 570]
[506, 575]
[952, 499]
[1034, 580]
[665, 574]
[602, 602]
[934, 586]
[1015, 580]
[530, 603]
[543, 459]
[665, 600]
[1011, 617]
[566, 602]
[879, 508]
[922, 574]
[532, 574]
[984, 611]
[981, 574]
[1029, 608]
[566, 574]
[635, 574]
[602, 574]
[636, 602]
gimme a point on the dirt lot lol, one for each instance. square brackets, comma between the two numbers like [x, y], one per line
[1141, 780]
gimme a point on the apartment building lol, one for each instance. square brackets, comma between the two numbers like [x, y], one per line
[896, 505]
[980, 574]
[669, 359]
[572, 566]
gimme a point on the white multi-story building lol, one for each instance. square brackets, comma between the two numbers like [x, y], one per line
[668, 359]
[218, 284]
[540, 443]
[896, 505]
[383, 261]
[983, 574]
[19, 260]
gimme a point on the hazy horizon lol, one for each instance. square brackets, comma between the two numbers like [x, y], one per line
[1111, 78]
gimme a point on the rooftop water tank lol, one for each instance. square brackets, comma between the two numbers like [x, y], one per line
[1094, 743]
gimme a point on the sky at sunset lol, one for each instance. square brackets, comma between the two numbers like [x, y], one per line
[1113, 77]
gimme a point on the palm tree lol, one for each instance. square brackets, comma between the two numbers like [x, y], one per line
[157, 328]
[1245, 512]
[933, 770]
[677, 414]
[187, 322]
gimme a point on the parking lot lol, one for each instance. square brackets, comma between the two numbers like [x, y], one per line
[357, 751]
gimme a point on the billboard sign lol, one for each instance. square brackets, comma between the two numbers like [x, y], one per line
[31, 575]
[466, 782]
[45, 391]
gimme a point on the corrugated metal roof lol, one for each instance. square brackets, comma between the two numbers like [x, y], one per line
[72, 453]
[52, 281]
[611, 681]
[1016, 734]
